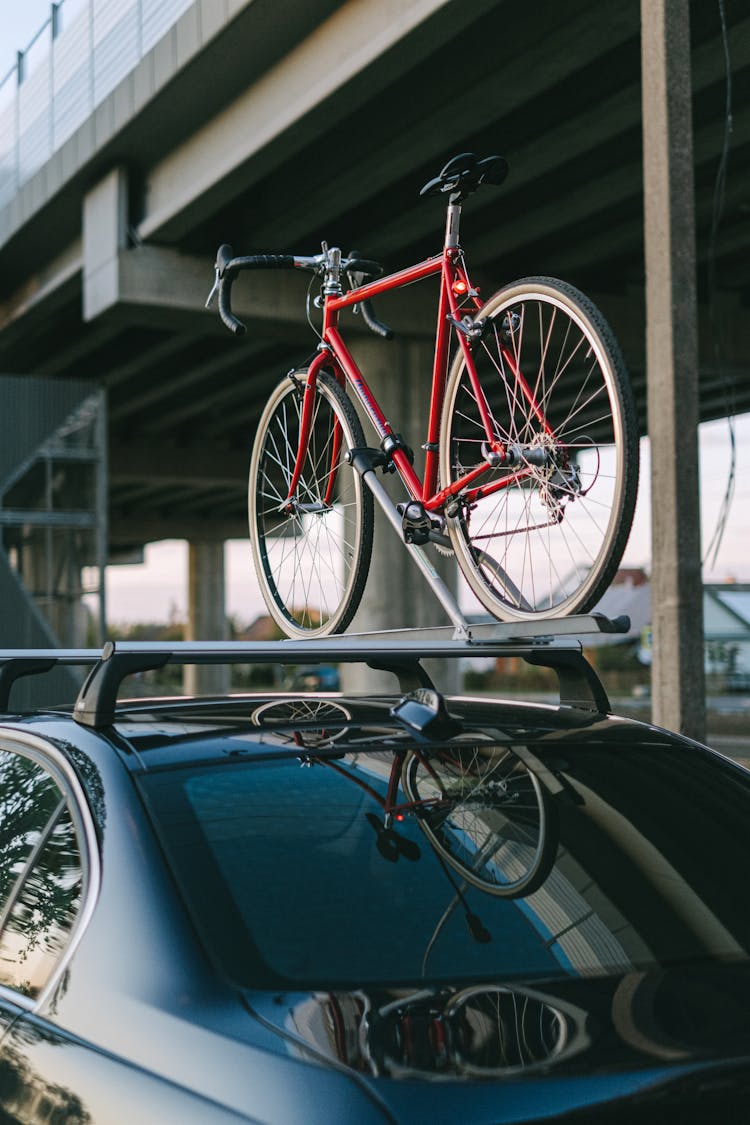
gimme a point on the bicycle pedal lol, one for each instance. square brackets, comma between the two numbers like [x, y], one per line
[416, 524]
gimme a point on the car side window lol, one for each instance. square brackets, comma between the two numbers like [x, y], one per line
[41, 873]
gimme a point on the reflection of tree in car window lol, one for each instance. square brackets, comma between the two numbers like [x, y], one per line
[40, 874]
[28, 797]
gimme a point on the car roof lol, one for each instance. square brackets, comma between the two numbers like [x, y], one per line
[167, 733]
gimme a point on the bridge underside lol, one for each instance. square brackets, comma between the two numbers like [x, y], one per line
[291, 123]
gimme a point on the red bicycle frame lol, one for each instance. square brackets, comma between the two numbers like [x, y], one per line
[334, 354]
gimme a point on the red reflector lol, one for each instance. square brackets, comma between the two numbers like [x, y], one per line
[459, 287]
[399, 816]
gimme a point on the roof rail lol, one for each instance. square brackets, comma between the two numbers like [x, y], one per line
[400, 652]
[549, 643]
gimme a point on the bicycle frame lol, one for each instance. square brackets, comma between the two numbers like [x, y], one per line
[334, 354]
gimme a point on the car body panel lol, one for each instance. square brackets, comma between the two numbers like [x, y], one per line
[143, 1021]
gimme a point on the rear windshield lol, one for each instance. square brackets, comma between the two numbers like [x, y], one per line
[495, 862]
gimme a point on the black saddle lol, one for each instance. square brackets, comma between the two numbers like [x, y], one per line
[465, 173]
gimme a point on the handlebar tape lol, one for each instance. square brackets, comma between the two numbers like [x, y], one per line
[364, 265]
[233, 323]
[229, 267]
[373, 323]
[262, 262]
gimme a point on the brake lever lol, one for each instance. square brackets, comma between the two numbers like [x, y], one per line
[223, 258]
[212, 294]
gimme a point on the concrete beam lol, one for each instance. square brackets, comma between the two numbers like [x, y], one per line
[149, 400]
[534, 66]
[46, 290]
[576, 138]
[164, 463]
[131, 527]
[678, 681]
[347, 59]
[104, 222]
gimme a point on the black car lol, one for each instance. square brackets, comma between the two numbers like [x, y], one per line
[313, 907]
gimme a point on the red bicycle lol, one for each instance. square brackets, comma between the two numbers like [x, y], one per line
[531, 446]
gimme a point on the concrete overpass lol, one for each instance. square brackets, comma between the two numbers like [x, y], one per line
[272, 124]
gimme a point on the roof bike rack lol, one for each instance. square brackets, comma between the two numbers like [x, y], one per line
[15, 663]
[551, 646]
[365, 461]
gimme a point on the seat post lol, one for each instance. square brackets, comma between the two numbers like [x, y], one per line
[452, 223]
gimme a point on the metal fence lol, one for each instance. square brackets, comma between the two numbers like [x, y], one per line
[76, 58]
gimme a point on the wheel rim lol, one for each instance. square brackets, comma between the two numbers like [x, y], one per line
[539, 543]
[484, 812]
[307, 558]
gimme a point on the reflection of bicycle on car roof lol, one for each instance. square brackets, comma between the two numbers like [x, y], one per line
[480, 806]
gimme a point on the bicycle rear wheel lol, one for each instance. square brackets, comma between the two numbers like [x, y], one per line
[311, 554]
[545, 533]
[485, 813]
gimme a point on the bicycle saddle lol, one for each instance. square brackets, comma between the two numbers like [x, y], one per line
[464, 174]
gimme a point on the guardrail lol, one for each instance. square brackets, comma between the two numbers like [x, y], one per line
[78, 56]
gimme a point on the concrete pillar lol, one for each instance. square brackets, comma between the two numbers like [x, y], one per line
[51, 573]
[104, 221]
[678, 683]
[207, 619]
[397, 596]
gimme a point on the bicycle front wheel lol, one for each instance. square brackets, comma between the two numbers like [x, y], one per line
[311, 551]
[543, 531]
[485, 813]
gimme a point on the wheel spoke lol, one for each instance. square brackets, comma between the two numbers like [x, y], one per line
[310, 549]
[485, 813]
[545, 538]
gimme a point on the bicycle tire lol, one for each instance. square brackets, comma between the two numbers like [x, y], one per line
[485, 813]
[549, 540]
[311, 564]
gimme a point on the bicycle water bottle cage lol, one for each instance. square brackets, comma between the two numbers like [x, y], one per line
[465, 173]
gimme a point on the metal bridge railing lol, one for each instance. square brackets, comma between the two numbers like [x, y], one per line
[75, 59]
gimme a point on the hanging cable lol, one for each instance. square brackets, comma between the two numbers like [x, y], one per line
[712, 550]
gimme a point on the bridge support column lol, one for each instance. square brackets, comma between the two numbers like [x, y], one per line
[105, 219]
[207, 619]
[672, 368]
[396, 595]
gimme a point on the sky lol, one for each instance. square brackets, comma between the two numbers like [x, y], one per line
[157, 589]
[19, 22]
